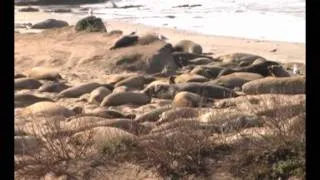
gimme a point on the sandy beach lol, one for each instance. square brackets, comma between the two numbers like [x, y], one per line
[86, 108]
[219, 45]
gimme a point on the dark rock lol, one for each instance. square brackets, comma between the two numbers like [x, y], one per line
[90, 24]
[28, 9]
[50, 23]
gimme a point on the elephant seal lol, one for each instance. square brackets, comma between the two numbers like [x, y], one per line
[160, 90]
[168, 91]
[46, 108]
[209, 72]
[151, 116]
[183, 78]
[23, 100]
[26, 83]
[148, 39]
[188, 46]
[235, 79]
[44, 74]
[200, 61]
[115, 99]
[97, 95]
[178, 113]
[239, 58]
[78, 90]
[207, 90]
[273, 85]
[260, 68]
[115, 32]
[278, 71]
[182, 58]
[107, 113]
[186, 99]
[132, 82]
[125, 41]
[55, 87]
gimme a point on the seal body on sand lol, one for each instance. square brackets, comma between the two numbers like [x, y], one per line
[200, 61]
[188, 46]
[115, 32]
[106, 113]
[260, 68]
[207, 71]
[183, 78]
[101, 136]
[26, 83]
[161, 90]
[278, 71]
[168, 91]
[125, 41]
[235, 79]
[183, 58]
[53, 87]
[121, 98]
[48, 109]
[239, 58]
[152, 116]
[207, 90]
[280, 85]
[44, 74]
[23, 100]
[78, 90]
[148, 39]
[186, 99]
[132, 82]
[97, 95]
[177, 113]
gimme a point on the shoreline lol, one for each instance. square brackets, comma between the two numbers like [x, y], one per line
[219, 45]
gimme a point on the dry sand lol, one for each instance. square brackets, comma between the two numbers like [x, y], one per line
[285, 51]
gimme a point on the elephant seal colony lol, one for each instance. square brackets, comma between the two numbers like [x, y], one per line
[138, 86]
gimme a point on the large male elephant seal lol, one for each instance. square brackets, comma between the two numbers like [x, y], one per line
[272, 85]
[188, 46]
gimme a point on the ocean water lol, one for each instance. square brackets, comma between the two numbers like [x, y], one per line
[279, 20]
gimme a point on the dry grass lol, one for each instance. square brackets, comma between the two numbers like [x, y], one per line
[280, 153]
[184, 147]
[55, 153]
